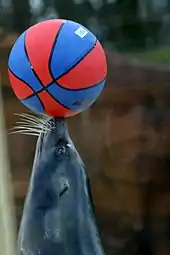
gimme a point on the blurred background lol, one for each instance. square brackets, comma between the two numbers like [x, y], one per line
[124, 138]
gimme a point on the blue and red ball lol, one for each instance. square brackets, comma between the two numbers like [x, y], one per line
[57, 67]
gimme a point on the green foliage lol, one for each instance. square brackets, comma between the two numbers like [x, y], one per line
[159, 55]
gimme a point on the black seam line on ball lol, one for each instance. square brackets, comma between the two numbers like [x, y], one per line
[33, 91]
[73, 66]
[52, 50]
[31, 66]
[34, 94]
[50, 59]
[69, 89]
[41, 103]
[45, 89]
[58, 101]
[59, 77]
[29, 61]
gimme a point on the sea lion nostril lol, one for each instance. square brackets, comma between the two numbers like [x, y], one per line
[63, 191]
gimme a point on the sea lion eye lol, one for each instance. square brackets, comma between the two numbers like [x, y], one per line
[61, 151]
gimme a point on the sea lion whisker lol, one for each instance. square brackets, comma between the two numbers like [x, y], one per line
[41, 121]
[50, 123]
[24, 129]
[23, 123]
[53, 123]
[44, 124]
[33, 122]
[20, 129]
[28, 124]
[46, 117]
[25, 115]
[47, 121]
[44, 120]
[31, 117]
[25, 133]
[28, 129]
[17, 128]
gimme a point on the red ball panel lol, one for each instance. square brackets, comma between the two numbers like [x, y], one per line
[39, 42]
[90, 71]
[21, 89]
[53, 108]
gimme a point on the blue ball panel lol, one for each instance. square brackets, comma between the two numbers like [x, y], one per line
[20, 66]
[34, 104]
[71, 98]
[70, 48]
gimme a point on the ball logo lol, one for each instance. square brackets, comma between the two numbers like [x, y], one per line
[81, 32]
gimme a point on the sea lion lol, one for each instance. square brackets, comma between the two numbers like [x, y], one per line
[58, 216]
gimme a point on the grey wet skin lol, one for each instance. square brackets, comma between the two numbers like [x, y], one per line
[58, 216]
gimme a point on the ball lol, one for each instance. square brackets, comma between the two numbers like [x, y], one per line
[57, 67]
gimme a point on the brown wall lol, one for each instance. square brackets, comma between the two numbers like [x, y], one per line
[124, 140]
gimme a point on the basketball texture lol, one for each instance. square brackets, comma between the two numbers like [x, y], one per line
[57, 67]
